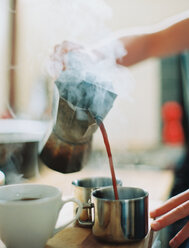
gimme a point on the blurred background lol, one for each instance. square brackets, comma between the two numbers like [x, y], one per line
[39, 25]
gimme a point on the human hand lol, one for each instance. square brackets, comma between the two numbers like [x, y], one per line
[174, 209]
[59, 62]
[58, 58]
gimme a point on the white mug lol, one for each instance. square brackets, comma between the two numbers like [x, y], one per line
[29, 212]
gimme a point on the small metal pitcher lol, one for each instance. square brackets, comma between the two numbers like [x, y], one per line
[82, 191]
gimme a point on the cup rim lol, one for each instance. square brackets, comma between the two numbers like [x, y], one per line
[74, 182]
[57, 193]
[146, 194]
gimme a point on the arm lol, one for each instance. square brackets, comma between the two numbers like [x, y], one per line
[165, 39]
[172, 39]
[169, 38]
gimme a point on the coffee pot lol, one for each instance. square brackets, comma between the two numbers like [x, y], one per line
[82, 99]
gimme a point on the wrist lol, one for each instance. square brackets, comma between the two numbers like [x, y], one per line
[150, 45]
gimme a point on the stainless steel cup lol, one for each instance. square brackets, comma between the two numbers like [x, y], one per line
[82, 191]
[123, 220]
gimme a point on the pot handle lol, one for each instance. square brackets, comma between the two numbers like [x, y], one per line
[51, 122]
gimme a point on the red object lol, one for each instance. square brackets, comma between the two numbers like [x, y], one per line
[172, 123]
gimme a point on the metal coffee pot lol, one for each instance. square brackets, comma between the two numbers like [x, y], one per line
[81, 100]
[69, 144]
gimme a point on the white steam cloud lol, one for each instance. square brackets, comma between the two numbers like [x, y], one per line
[75, 19]
[94, 62]
[82, 22]
[91, 78]
[86, 23]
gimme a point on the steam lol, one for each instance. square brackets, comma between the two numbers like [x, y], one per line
[91, 70]
[90, 59]
[72, 20]
[85, 23]
[91, 78]
[10, 162]
[20, 141]
[13, 160]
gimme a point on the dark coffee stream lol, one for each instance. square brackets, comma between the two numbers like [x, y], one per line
[108, 149]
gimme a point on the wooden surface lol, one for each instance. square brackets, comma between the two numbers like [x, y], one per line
[76, 237]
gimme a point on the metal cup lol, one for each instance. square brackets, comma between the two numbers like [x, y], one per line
[123, 220]
[82, 191]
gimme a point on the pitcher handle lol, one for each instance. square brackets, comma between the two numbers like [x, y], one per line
[86, 223]
[80, 206]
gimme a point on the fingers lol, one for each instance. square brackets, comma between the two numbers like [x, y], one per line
[57, 61]
[65, 47]
[170, 204]
[172, 216]
[180, 237]
[127, 60]
[174, 209]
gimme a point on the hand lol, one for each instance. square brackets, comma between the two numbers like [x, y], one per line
[174, 209]
[58, 58]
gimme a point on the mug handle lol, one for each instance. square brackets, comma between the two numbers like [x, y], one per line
[86, 223]
[80, 206]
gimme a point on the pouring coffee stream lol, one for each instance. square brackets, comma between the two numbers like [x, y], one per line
[108, 149]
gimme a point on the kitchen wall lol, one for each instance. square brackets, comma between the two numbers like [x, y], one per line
[134, 121]
[4, 51]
